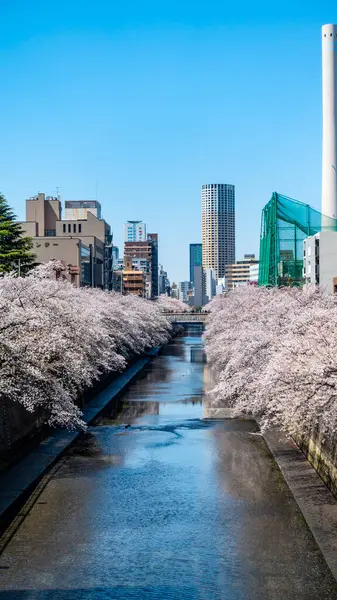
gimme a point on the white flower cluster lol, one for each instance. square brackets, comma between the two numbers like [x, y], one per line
[274, 352]
[171, 305]
[56, 340]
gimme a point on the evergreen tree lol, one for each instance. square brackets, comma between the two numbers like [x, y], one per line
[15, 249]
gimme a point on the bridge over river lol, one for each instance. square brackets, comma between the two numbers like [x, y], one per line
[188, 317]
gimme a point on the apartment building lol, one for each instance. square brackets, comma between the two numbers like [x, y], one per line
[238, 273]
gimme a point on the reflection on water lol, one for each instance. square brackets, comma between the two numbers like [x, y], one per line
[156, 503]
[198, 355]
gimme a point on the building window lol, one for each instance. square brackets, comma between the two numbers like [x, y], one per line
[80, 228]
[64, 228]
[74, 228]
[69, 228]
[49, 232]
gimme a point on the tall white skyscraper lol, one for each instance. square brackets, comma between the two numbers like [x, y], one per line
[218, 227]
[329, 154]
[135, 231]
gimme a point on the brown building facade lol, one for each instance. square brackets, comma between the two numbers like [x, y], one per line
[80, 244]
[134, 281]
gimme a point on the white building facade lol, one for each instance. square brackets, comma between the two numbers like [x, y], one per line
[183, 288]
[320, 260]
[135, 231]
[210, 284]
[329, 150]
[254, 273]
[221, 286]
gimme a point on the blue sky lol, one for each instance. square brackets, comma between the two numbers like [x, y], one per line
[144, 102]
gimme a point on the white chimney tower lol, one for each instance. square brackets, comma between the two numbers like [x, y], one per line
[329, 155]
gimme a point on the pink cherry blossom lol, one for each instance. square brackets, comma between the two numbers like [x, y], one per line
[57, 340]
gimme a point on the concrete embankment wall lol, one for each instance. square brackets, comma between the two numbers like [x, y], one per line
[16, 425]
[322, 455]
[20, 429]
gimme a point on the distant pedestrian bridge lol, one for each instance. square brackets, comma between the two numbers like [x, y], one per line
[188, 317]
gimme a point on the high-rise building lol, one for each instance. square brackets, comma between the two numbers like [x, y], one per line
[174, 292]
[153, 239]
[329, 154]
[134, 231]
[195, 259]
[210, 284]
[164, 283]
[218, 227]
[183, 288]
[115, 256]
[221, 286]
[199, 298]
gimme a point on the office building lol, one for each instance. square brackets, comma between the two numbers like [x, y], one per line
[210, 284]
[80, 243]
[329, 149]
[184, 287]
[115, 256]
[83, 210]
[320, 260]
[221, 287]
[134, 231]
[164, 283]
[195, 259]
[238, 273]
[199, 298]
[218, 227]
[174, 292]
[153, 239]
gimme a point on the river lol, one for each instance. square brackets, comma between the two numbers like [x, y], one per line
[155, 503]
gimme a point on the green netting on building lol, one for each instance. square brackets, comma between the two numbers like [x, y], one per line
[285, 223]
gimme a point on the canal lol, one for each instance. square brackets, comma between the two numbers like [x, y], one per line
[155, 503]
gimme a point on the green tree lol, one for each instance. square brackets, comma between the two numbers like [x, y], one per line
[15, 249]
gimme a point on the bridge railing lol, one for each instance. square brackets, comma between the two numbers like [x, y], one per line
[187, 317]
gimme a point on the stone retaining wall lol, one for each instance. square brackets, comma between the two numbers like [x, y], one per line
[322, 456]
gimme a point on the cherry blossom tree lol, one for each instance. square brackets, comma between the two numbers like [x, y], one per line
[171, 305]
[56, 340]
[273, 352]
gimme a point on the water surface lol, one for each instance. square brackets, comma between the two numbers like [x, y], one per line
[156, 503]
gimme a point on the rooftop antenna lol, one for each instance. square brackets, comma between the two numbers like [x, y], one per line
[58, 193]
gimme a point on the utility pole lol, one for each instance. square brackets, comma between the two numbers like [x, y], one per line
[19, 267]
